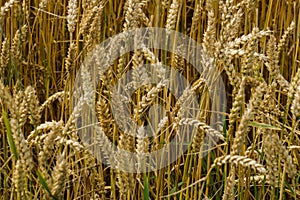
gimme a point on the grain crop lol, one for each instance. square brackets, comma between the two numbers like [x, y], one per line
[248, 150]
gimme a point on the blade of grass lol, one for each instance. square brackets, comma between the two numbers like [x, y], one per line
[43, 182]
[265, 126]
[146, 187]
[9, 135]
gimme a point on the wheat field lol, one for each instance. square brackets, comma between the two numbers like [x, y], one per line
[254, 48]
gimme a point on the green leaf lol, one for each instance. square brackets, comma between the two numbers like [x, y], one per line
[9, 135]
[43, 182]
[146, 187]
[289, 188]
[262, 125]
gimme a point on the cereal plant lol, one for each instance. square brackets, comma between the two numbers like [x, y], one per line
[204, 104]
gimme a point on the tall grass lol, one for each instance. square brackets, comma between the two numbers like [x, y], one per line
[255, 47]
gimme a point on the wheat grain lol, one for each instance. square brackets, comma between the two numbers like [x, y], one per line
[5, 96]
[165, 3]
[25, 10]
[21, 103]
[18, 179]
[4, 9]
[209, 35]
[271, 159]
[258, 73]
[72, 15]
[284, 155]
[272, 54]
[16, 45]
[57, 96]
[125, 180]
[47, 149]
[268, 104]
[69, 61]
[142, 147]
[236, 107]
[43, 4]
[139, 71]
[295, 108]
[273, 64]
[105, 118]
[243, 126]
[197, 16]
[172, 15]
[295, 82]
[241, 132]
[87, 18]
[95, 28]
[33, 104]
[17, 121]
[149, 55]
[283, 39]
[73, 143]
[201, 125]
[87, 5]
[4, 56]
[35, 135]
[177, 61]
[130, 9]
[254, 35]
[230, 183]
[231, 23]
[59, 176]
[242, 161]
[149, 98]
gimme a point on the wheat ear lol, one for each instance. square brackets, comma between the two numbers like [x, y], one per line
[72, 15]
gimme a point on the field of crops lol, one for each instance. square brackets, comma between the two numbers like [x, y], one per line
[150, 99]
